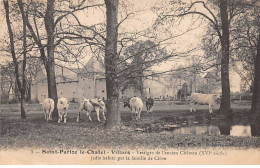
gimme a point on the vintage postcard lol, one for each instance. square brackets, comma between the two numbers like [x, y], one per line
[129, 82]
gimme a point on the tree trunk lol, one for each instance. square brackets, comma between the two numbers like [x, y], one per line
[2, 95]
[255, 128]
[113, 114]
[49, 26]
[142, 87]
[10, 31]
[17, 94]
[225, 108]
[23, 88]
[255, 108]
[23, 112]
[225, 127]
[52, 88]
[29, 93]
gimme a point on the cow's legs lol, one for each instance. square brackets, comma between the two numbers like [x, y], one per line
[151, 108]
[80, 110]
[103, 113]
[136, 116]
[78, 117]
[49, 114]
[191, 104]
[133, 116]
[51, 111]
[97, 111]
[60, 117]
[192, 107]
[65, 115]
[210, 108]
[139, 114]
[148, 109]
[45, 114]
[88, 115]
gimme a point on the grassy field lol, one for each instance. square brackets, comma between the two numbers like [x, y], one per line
[149, 132]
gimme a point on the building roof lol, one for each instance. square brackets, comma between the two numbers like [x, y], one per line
[64, 74]
[93, 66]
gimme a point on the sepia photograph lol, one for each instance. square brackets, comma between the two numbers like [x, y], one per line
[129, 82]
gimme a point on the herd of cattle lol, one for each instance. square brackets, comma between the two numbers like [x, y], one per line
[135, 104]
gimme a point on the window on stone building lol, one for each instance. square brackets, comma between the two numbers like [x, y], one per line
[103, 91]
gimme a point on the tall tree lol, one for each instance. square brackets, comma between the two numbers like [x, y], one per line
[256, 91]
[50, 64]
[225, 107]
[113, 116]
[21, 85]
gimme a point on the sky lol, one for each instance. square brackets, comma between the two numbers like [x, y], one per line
[144, 18]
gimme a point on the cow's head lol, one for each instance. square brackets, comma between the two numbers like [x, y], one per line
[126, 104]
[218, 97]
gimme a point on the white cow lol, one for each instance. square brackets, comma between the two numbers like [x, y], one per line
[48, 106]
[89, 105]
[136, 106]
[209, 99]
[62, 106]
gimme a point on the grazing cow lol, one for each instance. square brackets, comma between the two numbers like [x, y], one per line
[136, 105]
[62, 106]
[89, 105]
[149, 104]
[209, 99]
[48, 106]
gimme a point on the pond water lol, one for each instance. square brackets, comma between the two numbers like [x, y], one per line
[197, 129]
[236, 130]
